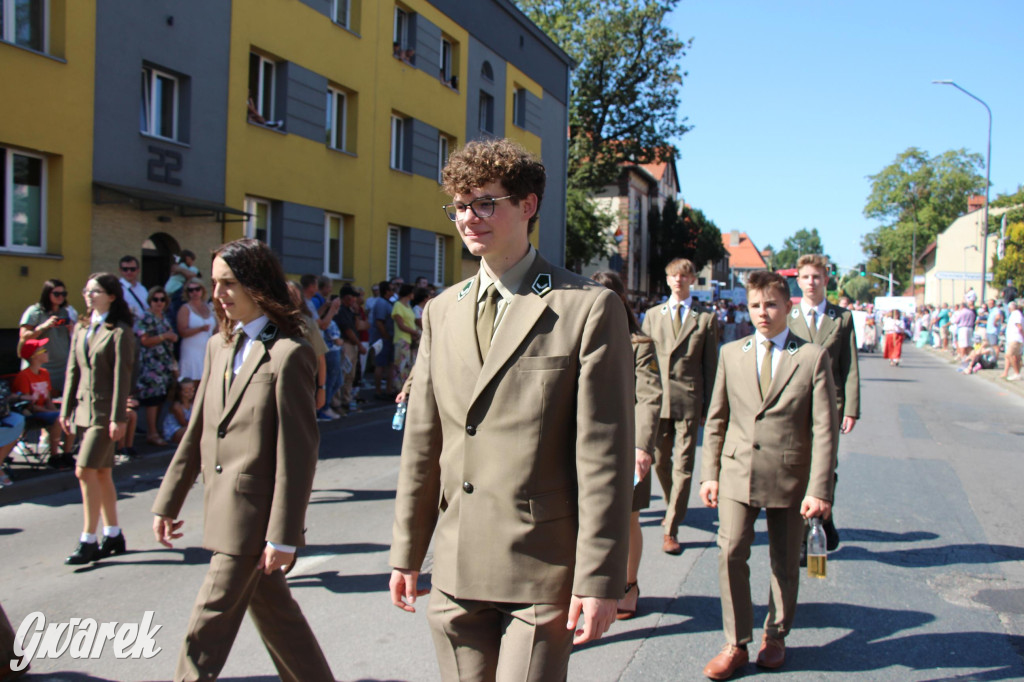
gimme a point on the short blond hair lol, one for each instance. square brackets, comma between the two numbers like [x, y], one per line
[815, 260]
[763, 280]
[680, 266]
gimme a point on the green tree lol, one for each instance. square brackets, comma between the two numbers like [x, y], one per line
[916, 197]
[801, 242]
[1011, 265]
[681, 234]
[587, 228]
[624, 95]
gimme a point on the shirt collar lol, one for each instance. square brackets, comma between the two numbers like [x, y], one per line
[777, 341]
[509, 283]
[686, 302]
[253, 329]
[805, 307]
[97, 318]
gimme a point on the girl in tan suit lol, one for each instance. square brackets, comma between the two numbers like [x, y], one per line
[96, 390]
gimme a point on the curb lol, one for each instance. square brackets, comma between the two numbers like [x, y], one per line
[157, 461]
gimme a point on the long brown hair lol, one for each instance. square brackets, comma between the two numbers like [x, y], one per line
[611, 280]
[119, 311]
[259, 272]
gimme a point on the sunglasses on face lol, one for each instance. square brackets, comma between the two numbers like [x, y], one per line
[61, 294]
[193, 290]
[128, 268]
[159, 299]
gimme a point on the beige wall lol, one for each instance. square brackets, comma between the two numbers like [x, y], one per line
[953, 254]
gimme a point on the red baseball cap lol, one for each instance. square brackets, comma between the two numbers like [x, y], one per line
[30, 347]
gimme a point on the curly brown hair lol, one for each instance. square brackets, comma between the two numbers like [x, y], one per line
[259, 271]
[502, 160]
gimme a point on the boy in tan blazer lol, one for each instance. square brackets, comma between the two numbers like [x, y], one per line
[831, 327]
[685, 337]
[518, 449]
[769, 442]
[253, 440]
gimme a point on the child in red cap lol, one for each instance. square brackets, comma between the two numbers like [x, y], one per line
[33, 383]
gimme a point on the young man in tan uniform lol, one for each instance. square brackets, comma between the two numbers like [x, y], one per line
[518, 449]
[831, 327]
[686, 340]
[769, 443]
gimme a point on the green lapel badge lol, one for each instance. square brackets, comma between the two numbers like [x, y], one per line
[792, 347]
[748, 345]
[796, 312]
[542, 284]
[465, 289]
[269, 333]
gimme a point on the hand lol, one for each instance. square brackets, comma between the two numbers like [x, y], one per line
[848, 424]
[117, 430]
[50, 323]
[206, 327]
[166, 529]
[643, 464]
[709, 493]
[401, 397]
[598, 616]
[170, 336]
[66, 425]
[274, 560]
[404, 590]
[814, 506]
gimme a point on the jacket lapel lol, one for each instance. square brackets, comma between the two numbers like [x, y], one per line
[245, 372]
[826, 325]
[784, 372]
[461, 327]
[748, 368]
[798, 323]
[688, 325]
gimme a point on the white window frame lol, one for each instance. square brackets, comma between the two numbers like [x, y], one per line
[328, 217]
[398, 135]
[400, 34]
[152, 77]
[348, 12]
[393, 258]
[440, 251]
[10, 31]
[483, 119]
[447, 50]
[519, 107]
[7, 219]
[251, 204]
[337, 101]
[443, 149]
[259, 95]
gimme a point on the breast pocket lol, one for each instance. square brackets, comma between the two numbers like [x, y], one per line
[536, 363]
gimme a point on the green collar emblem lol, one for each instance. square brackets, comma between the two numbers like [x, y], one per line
[542, 284]
[465, 289]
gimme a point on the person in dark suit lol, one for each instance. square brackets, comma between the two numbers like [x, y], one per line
[253, 440]
[518, 448]
[769, 443]
[96, 388]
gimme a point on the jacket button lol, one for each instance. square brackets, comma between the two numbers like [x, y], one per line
[468, 487]
[471, 430]
[222, 433]
[757, 446]
[218, 468]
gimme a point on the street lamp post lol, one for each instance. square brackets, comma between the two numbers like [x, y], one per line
[988, 172]
[964, 271]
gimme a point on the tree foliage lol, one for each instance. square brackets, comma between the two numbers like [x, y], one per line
[916, 197]
[587, 227]
[681, 234]
[624, 95]
[1011, 265]
[801, 242]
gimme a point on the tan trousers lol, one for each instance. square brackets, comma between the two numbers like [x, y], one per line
[234, 584]
[489, 641]
[352, 353]
[674, 453]
[735, 537]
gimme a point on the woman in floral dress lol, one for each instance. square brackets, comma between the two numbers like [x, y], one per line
[156, 361]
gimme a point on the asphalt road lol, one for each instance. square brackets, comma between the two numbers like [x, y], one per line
[928, 583]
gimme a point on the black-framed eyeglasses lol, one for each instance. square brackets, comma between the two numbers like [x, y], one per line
[62, 294]
[129, 268]
[482, 207]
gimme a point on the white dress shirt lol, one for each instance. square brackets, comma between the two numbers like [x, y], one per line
[819, 311]
[778, 343]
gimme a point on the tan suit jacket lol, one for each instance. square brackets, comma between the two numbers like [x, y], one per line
[647, 412]
[255, 445]
[688, 360]
[99, 375]
[521, 467]
[836, 335]
[772, 452]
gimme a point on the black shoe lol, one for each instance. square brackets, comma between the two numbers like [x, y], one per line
[68, 460]
[112, 545]
[58, 463]
[131, 452]
[831, 535]
[85, 553]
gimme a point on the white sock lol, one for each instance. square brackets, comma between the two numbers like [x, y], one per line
[87, 537]
[111, 531]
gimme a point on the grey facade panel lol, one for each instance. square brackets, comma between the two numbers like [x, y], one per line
[306, 102]
[513, 37]
[322, 6]
[299, 238]
[554, 152]
[424, 149]
[421, 255]
[428, 47]
[195, 47]
[534, 113]
[477, 83]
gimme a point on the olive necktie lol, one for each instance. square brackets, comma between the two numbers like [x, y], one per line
[814, 321]
[485, 321]
[766, 369]
[677, 320]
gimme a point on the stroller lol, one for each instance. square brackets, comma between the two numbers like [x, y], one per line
[870, 341]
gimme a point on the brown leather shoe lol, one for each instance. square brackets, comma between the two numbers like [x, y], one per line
[725, 664]
[772, 653]
[671, 546]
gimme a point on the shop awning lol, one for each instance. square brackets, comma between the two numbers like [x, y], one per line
[148, 200]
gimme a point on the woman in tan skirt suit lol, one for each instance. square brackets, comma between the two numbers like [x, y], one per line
[96, 389]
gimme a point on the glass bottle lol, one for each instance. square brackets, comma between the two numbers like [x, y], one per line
[817, 556]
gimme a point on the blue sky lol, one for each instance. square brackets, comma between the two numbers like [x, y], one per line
[794, 102]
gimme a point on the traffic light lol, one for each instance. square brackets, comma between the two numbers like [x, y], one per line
[863, 270]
